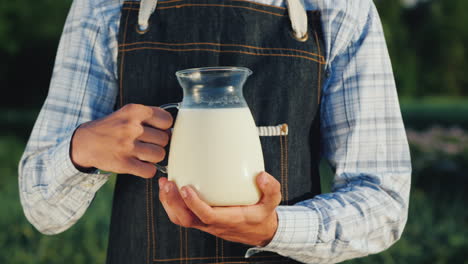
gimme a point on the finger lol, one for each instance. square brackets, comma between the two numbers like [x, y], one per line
[223, 216]
[159, 119]
[149, 152]
[175, 206]
[139, 168]
[164, 196]
[202, 210]
[271, 198]
[136, 111]
[154, 136]
[271, 190]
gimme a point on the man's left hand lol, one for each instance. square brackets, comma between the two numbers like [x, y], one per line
[252, 225]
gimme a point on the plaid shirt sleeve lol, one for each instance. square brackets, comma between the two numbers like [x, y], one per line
[54, 194]
[365, 143]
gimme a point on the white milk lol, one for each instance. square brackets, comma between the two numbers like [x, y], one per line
[218, 153]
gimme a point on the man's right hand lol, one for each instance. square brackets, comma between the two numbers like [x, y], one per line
[126, 141]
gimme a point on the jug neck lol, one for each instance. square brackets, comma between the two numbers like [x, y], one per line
[213, 87]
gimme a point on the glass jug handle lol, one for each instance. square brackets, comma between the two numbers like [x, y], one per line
[162, 168]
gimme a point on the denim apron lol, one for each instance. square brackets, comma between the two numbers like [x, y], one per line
[283, 94]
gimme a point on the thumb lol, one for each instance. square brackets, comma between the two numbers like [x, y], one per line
[270, 188]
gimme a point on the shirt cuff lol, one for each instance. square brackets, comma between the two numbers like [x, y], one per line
[297, 229]
[67, 174]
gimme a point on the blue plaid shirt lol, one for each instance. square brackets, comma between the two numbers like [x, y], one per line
[364, 139]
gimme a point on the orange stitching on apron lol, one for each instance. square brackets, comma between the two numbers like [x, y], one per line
[180, 245]
[186, 5]
[147, 223]
[186, 246]
[285, 160]
[222, 250]
[216, 250]
[152, 218]
[227, 51]
[283, 195]
[319, 71]
[122, 60]
[172, 1]
[218, 44]
[286, 168]
[186, 258]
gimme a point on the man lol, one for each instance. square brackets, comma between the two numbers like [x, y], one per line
[325, 73]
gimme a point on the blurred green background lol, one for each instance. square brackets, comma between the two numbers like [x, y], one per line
[426, 40]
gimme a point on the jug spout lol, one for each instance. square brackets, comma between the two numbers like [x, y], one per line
[213, 87]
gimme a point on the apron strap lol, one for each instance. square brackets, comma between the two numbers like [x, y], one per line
[297, 15]
[147, 8]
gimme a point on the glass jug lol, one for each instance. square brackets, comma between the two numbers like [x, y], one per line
[215, 146]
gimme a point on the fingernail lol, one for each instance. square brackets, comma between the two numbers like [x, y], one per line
[167, 188]
[183, 192]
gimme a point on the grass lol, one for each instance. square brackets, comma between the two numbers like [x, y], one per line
[21, 243]
[436, 232]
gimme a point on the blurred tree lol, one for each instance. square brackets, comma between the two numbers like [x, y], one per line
[444, 62]
[405, 62]
[427, 43]
[29, 34]
[23, 21]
